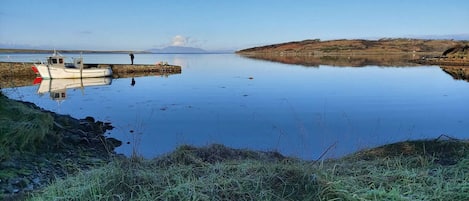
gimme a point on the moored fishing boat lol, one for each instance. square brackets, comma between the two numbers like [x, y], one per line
[55, 67]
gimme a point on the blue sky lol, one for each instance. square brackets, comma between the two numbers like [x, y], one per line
[221, 24]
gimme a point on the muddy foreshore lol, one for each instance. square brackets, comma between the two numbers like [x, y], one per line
[70, 146]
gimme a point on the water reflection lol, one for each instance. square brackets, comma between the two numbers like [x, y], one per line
[457, 72]
[343, 61]
[57, 88]
[132, 83]
[245, 103]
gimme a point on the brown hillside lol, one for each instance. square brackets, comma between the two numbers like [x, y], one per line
[355, 47]
[457, 52]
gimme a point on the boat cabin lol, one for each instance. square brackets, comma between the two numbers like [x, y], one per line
[55, 60]
[58, 60]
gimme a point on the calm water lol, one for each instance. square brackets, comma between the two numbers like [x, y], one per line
[244, 103]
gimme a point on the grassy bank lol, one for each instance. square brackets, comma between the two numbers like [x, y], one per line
[416, 170]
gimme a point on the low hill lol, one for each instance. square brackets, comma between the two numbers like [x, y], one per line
[177, 49]
[355, 47]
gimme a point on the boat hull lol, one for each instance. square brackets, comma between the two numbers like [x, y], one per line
[48, 72]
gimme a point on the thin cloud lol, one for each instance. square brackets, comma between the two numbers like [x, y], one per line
[179, 41]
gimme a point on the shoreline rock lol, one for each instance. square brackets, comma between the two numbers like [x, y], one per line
[80, 144]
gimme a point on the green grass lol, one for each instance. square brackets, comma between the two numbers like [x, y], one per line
[185, 175]
[400, 178]
[22, 128]
[220, 173]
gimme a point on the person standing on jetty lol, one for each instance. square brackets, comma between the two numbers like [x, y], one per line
[131, 58]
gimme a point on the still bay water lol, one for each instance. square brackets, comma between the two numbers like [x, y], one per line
[244, 103]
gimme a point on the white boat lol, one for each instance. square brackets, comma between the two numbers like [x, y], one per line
[55, 67]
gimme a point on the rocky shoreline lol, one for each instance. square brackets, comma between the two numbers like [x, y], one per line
[75, 145]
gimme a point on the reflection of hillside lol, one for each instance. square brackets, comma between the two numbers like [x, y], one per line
[457, 72]
[354, 61]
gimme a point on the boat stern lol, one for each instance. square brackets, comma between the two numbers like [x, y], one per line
[108, 73]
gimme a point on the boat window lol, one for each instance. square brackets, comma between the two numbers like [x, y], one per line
[54, 61]
[61, 61]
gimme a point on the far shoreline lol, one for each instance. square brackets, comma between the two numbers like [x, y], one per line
[34, 51]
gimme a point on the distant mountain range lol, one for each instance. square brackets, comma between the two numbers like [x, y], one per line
[167, 50]
[185, 50]
[442, 37]
[177, 49]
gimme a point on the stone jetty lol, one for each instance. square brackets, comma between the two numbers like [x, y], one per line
[20, 73]
[137, 70]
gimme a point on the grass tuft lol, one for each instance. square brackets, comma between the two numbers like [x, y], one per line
[219, 173]
[191, 177]
[21, 128]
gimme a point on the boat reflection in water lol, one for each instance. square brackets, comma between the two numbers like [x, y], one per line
[57, 88]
